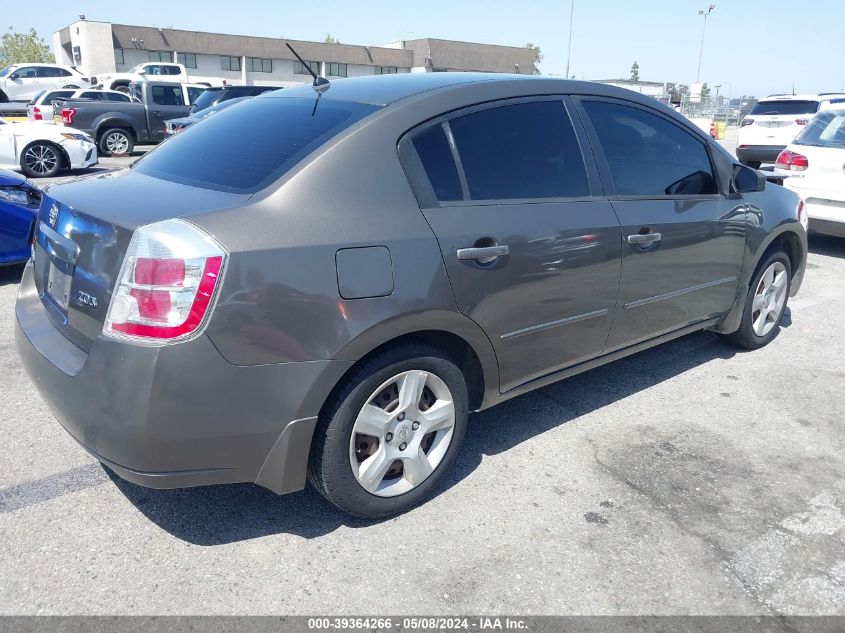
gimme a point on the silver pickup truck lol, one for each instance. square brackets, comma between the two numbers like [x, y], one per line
[117, 126]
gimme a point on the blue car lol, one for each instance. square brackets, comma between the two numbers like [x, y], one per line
[19, 200]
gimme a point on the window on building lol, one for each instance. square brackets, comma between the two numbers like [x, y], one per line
[335, 69]
[386, 70]
[161, 56]
[299, 69]
[440, 70]
[257, 65]
[188, 60]
[230, 63]
[525, 150]
[649, 155]
[118, 57]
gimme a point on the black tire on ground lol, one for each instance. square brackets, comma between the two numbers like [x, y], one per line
[3, 97]
[329, 469]
[754, 164]
[116, 141]
[41, 159]
[745, 336]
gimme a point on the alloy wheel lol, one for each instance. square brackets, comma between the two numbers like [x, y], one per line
[402, 433]
[41, 159]
[769, 299]
[117, 143]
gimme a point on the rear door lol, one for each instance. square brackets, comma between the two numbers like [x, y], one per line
[166, 101]
[682, 238]
[531, 246]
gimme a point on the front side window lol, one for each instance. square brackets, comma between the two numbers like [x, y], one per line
[436, 157]
[27, 72]
[334, 69]
[649, 155]
[230, 63]
[188, 60]
[118, 57]
[299, 69]
[520, 151]
[237, 151]
[167, 95]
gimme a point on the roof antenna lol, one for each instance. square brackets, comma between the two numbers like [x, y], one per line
[320, 84]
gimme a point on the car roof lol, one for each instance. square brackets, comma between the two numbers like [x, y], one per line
[824, 96]
[386, 89]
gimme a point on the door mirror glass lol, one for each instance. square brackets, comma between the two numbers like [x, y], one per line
[14, 76]
[747, 180]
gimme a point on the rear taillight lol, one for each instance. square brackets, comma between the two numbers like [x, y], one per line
[67, 115]
[167, 285]
[803, 218]
[793, 161]
[36, 113]
[802, 121]
[746, 122]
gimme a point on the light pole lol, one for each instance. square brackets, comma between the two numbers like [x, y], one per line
[569, 44]
[701, 50]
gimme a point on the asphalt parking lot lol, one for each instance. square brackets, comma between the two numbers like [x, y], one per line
[689, 479]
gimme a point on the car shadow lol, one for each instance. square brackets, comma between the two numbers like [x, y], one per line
[11, 274]
[222, 514]
[826, 245]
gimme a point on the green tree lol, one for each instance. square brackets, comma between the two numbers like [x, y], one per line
[635, 72]
[19, 48]
[538, 57]
[331, 40]
[705, 91]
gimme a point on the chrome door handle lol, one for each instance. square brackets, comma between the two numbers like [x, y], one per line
[484, 252]
[644, 238]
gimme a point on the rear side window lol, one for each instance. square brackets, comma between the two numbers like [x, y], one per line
[436, 157]
[92, 94]
[785, 107]
[825, 130]
[245, 149]
[168, 95]
[648, 155]
[525, 150]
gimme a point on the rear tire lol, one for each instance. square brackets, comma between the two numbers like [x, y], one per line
[765, 304]
[41, 160]
[386, 438]
[116, 142]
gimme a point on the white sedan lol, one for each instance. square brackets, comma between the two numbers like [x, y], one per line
[814, 167]
[43, 150]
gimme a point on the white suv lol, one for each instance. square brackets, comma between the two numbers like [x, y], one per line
[774, 121]
[21, 82]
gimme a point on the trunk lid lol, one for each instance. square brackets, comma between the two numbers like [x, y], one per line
[83, 230]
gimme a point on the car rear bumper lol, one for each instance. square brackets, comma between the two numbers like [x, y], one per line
[762, 153]
[179, 415]
[825, 207]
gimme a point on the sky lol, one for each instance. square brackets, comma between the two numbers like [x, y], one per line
[751, 47]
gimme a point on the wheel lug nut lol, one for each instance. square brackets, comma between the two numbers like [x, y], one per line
[403, 446]
[401, 417]
[415, 425]
[388, 437]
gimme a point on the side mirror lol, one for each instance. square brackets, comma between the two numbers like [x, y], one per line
[747, 180]
[14, 76]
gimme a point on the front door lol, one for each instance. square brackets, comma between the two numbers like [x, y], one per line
[167, 102]
[682, 238]
[531, 248]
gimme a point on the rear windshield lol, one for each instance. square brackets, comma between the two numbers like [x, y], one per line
[244, 149]
[785, 107]
[205, 99]
[825, 130]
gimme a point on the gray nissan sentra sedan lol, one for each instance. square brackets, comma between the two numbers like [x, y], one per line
[300, 289]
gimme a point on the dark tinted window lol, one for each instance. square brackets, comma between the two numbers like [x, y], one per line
[527, 150]
[649, 155]
[205, 99]
[167, 95]
[92, 94]
[116, 96]
[28, 72]
[825, 130]
[785, 107]
[436, 156]
[246, 148]
[47, 71]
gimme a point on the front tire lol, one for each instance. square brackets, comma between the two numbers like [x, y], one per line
[385, 440]
[41, 160]
[765, 304]
[116, 142]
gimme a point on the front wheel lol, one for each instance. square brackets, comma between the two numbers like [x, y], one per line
[765, 304]
[41, 160]
[385, 441]
[116, 142]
